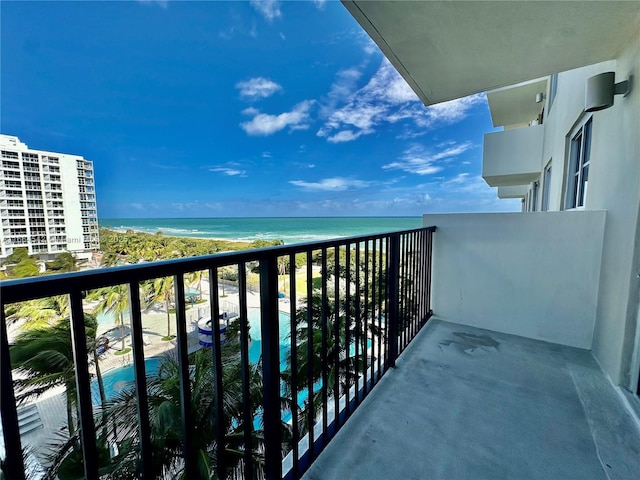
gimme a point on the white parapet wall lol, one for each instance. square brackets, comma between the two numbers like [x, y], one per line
[530, 274]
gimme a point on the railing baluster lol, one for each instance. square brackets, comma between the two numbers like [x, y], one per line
[414, 284]
[140, 382]
[270, 365]
[336, 339]
[347, 329]
[374, 312]
[246, 379]
[310, 360]
[14, 465]
[420, 267]
[393, 273]
[218, 392]
[294, 366]
[83, 386]
[404, 278]
[185, 382]
[385, 301]
[382, 339]
[365, 329]
[358, 349]
[324, 359]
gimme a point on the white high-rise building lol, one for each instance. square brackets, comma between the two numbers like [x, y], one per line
[47, 201]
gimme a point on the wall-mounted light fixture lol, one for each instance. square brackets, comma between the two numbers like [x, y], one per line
[540, 97]
[600, 90]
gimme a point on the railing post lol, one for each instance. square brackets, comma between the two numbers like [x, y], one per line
[83, 387]
[14, 466]
[393, 281]
[190, 459]
[270, 366]
[146, 460]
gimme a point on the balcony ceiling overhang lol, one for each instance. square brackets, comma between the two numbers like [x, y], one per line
[516, 104]
[451, 49]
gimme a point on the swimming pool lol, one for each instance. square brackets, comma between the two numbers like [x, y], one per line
[121, 378]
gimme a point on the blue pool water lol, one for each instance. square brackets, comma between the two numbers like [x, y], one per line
[119, 379]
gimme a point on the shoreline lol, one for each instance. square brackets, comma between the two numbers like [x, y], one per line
[218, 239]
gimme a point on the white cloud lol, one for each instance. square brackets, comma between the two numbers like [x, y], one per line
[344, 136]
[319, 4]
[263, 124]
[450, 112]
[420, 161]
[336, 184]
[269, 9]
[230, 172]
[385, 99]
[136, 206]
[256, 88]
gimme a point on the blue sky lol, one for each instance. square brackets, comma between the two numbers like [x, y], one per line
[236, 108]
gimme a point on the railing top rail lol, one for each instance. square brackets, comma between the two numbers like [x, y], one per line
[23, 289]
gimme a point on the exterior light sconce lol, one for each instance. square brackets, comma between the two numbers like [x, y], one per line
[540, 97]
[600, 90]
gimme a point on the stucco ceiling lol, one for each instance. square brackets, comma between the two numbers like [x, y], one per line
[516, 104]
[450, 49]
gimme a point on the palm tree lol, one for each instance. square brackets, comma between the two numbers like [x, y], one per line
[165, 417]
[113, 300]
[41, 311]
[43, 357]
[354, 329]
[161, 289]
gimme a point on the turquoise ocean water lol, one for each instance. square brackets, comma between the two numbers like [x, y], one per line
[289, 230]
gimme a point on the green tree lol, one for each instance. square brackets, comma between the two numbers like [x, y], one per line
[115, 301]
[25, 268]
[43, 357]
[161, 290]
[19, 254]
[165, 417]
[41, 311]
[64, 262]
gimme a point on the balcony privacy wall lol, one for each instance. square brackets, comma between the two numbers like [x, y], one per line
[530, 274]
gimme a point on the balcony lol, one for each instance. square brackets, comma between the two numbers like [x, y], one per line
[512, 157]
[471, 403]
[370, 288]
[518, 191]
[499, 384]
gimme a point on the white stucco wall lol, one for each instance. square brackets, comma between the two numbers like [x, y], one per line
[530, 274]
[615, 186]
[72, 214]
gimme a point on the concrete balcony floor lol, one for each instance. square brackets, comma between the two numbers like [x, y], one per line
[466, 403]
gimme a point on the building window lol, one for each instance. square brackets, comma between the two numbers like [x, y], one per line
[534, 196]
[553, 89]
[546, 187]
[579, 159]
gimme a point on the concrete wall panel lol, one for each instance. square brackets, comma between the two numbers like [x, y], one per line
[529, 274]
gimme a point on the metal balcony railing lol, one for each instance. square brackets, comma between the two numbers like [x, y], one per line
[345, 331]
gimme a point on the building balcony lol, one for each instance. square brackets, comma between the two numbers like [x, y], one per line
[496, 382]
[512, 157]
[465, 402]
[517, 191]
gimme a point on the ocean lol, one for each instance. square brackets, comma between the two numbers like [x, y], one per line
[289, 230]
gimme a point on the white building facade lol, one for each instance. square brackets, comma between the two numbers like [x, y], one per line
[47, 201]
